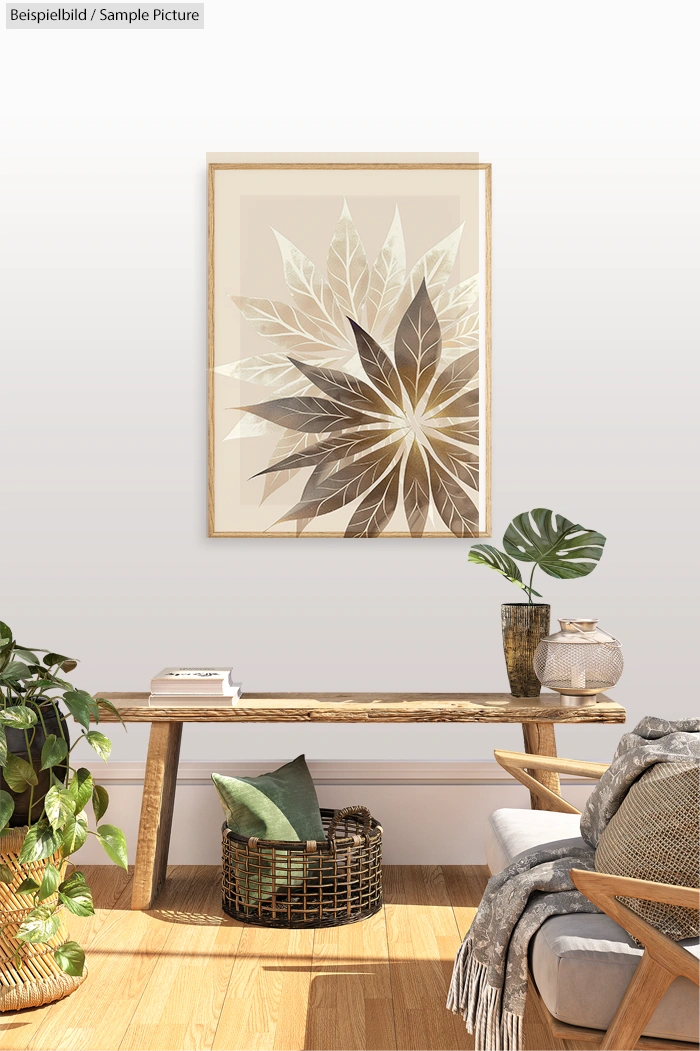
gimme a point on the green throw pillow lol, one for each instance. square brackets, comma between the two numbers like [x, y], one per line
[279, 805]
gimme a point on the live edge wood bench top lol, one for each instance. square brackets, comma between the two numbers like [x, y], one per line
[538, 716]
[372, 707]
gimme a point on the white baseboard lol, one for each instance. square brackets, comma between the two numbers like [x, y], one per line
[432, 813]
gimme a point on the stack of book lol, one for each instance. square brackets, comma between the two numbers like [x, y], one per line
[194, 688]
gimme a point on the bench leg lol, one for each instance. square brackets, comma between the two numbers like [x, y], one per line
[539, 740]
[156, 813]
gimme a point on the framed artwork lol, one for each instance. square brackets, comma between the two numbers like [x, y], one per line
[349, 349]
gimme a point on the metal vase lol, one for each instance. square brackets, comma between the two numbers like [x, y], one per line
[523, 626]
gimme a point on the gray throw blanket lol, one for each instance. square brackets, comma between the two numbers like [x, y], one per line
[489, 980]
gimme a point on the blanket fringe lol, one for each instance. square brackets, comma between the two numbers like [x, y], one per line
[480, 1005]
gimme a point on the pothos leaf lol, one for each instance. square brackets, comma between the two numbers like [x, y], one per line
[114, 843]
[53, 752]
[18, 716]
[78, 704]
[76, 895]
[6, 874]
[40, 925]
[41, 841]
[100, 801]
[6, 640]
[101, 744]
[70, 958]
[3, 746]
[486, 555]
[80, 788]
[19, 774]
[59, 806]
[49, 883]
[7, 808]
[27, 886]
[74, 833]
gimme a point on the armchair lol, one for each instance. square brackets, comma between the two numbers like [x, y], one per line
[593, 983]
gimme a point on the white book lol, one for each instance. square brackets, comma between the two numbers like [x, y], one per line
[195, 700]
[190, 681]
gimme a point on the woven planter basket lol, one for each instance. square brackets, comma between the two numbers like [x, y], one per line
[39, 980]
[274, 883]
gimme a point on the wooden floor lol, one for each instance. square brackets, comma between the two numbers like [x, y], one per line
[187, 976]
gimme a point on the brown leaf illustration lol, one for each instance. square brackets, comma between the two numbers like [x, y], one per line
[460, 461]
[465, 406]
[343, 387]
[453, 378]
[308, 414]
[417, 346]
[454, 506]
[348, 272]
[378, 365]
[460, 432]
[374, 513]
[344, 486]
[416, 491]
[339, 447]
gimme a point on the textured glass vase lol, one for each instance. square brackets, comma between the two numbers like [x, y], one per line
[523, 626]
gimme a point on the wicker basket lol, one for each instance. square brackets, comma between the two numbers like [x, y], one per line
[295, 884]
[39, 980]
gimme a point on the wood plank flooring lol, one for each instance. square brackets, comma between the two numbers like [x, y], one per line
[186, 976]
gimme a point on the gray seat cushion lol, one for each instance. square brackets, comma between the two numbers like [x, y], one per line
[583, 963]
[510, 832]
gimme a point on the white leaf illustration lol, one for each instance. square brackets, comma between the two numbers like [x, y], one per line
[434, 267]
[290, 442]
[310, 289]
[462, 334]
[274, 370]
[286, 327]
[455, 302]
[348, 273]
[251, 426]
[387, 278]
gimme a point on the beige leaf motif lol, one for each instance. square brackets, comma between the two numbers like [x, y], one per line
[286, 327]
[310, 289]
[272, 370]
[290, 442]
[434, 268]
[348, 272]
[387, 278]
[452, 304]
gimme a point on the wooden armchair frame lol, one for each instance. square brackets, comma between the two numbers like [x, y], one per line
[663, 960]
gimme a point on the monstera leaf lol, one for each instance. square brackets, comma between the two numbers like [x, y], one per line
[485, 555]
[559, 547]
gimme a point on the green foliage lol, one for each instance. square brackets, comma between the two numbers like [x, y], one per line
[70, 958]
[559, 547]
[114, 843]
[30, 688]
[485, 555]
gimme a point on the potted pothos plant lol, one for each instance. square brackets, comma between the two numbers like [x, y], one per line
[561, 549]
[43, 819]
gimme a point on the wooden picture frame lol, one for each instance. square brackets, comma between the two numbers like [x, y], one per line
[369, 381]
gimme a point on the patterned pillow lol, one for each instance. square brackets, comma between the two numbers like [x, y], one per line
[655, 835]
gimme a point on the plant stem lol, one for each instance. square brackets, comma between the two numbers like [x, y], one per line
[529, 594]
